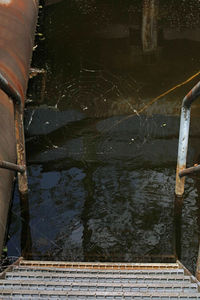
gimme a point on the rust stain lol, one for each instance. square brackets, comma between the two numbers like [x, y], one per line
[180, 182]
[98, 267]
[7, 103]
[13, 80]
[13, 55]
[189, 94]
[18, 20]
[18, 23]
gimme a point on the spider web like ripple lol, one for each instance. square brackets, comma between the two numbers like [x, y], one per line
[101, 93]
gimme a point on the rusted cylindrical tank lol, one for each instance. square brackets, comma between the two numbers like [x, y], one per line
[17, 30]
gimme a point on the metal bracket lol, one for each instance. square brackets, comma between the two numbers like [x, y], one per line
[43, 73]
[10, 166]
[189, 171]
[35, 71]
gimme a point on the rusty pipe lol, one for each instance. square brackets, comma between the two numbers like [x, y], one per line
[11, 166]
[189, 171]
[184, 136]
[193, 94]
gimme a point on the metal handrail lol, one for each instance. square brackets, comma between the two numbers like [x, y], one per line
[181, 170]
[9, 90]
[183, 138]
[20, 167]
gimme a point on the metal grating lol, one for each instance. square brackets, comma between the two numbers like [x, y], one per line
[107, 287]
[18, 294]
[95, 278]
[100, 271]
[60, 280]
[104, 266]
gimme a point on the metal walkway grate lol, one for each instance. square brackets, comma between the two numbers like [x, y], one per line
[60, 280]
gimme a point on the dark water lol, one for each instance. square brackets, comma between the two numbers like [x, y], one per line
[102, 175]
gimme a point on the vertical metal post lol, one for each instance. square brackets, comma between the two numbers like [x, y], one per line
[26, 240]
[182, 149]
[20, 146]
[198, 265]
[178, 205]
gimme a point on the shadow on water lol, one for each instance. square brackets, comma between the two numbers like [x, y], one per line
[102, 176]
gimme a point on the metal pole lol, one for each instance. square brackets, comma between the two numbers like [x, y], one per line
[20, 145]
[198, 265]
[182, 149]
[26, 240]
[183, 137]
[178, 205]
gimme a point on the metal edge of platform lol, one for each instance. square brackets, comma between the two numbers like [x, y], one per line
[98, 294]
[10, 267]
[98, 265]
[188, 273]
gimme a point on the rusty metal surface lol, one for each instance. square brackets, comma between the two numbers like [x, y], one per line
[20, 145]
[99, 266]
[193, 94]
[10, 166]
[8, 153]
[189, 171]
[18, 20]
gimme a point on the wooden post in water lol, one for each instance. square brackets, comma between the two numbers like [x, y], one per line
[149, 25]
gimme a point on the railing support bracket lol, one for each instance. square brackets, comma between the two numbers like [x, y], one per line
[13, 167]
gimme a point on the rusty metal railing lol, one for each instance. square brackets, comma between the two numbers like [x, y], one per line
[20, 167]
[181, 170]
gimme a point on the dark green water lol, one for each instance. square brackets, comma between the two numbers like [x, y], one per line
[102, 176]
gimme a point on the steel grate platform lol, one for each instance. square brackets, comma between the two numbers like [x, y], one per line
[60, 280]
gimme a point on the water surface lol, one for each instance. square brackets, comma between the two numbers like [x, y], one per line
[102, 175]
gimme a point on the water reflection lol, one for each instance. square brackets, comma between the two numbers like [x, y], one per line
[101, 176]
[126, 219]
